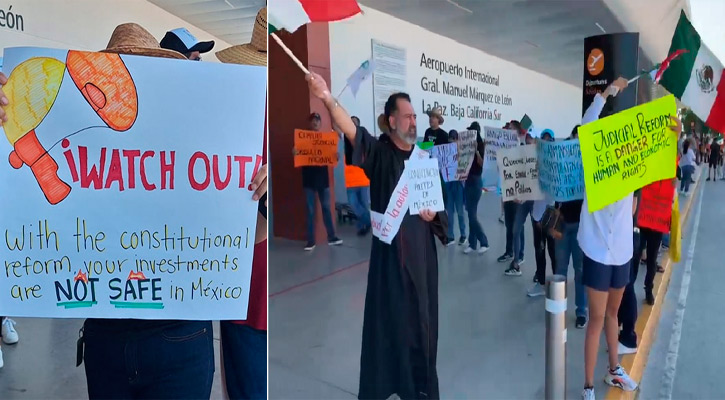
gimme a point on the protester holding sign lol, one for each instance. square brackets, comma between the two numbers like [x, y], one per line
[400, 326]
[567, 247]
[316, 183]
[543, 241]
[244, 343]
[510, 209]
[472, 188]
[454, 192]
[653, 220]
[605, 237]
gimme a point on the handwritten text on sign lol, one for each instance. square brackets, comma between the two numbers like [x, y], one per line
[496, 139]
[466, 153]
[385, 226]
[560, 170]
[315, 148]
[655, 207]
[628, 150]
[124, 219]
[447, 156]
[424, 185]
[519, 174]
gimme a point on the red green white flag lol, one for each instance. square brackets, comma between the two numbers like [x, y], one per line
[696, 76]
[291, 14]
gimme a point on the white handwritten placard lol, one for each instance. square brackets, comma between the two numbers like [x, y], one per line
[495, 138]
[121, 208]
[466, 153]
[518, 168]
[447, 156]
[424, 186]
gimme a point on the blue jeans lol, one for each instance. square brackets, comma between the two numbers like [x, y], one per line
[245, 361]
[324, 195]
[473, 187]
[687, 172]
[359, 199]
[523, 210]
[568, 247]
[455, 205]
[172, 363]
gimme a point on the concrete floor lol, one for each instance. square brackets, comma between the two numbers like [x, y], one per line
[42, 364]
[686, 359]
[491, 339]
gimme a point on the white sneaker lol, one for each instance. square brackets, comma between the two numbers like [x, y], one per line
[467, 250]
[9, 334]
[620, 379]
[588, 394]
[536, 290]
[622, 349]
[482, 249]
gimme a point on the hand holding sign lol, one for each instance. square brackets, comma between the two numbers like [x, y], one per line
[626, 151]
[424, 186]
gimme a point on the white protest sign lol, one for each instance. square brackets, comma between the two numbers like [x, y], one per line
[466, 153]
[519, 173]
[424, 186]
[447, 156]
[385, 226]
[120, 207]
[495, 139]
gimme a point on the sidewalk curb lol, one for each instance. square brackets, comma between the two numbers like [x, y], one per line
[649, 318]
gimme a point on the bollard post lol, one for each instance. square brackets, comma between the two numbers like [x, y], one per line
[555, 388]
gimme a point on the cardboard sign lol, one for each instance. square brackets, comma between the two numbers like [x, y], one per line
[466, 153]
[628, 150]
[655, 206]
[424, 186]
[447, 156]
[495, 139]
[519, 173]
[315, 148]
[560, 170]
[120, 207]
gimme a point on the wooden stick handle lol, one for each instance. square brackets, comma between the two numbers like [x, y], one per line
[289, 53]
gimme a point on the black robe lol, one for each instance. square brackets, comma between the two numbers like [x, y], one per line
[400, 326]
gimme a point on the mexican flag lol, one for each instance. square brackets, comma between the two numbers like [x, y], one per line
[696, 76]
[291, 14]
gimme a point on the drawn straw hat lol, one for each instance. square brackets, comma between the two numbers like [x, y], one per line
[253, 53]
[131, 38]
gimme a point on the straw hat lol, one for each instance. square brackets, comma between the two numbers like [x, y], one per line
[254, 53]
[436, 112]
[133, 39]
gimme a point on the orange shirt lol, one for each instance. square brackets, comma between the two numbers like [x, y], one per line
[355, 177]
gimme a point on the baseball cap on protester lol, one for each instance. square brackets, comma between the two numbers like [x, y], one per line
[184, 42]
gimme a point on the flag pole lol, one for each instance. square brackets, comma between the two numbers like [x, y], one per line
[290, 54]
[343, 90]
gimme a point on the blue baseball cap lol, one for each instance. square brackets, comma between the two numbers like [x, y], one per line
[184, 42]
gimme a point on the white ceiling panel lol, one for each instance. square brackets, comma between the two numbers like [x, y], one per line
[230, 20]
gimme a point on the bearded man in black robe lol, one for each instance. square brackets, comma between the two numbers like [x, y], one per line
[400, 326]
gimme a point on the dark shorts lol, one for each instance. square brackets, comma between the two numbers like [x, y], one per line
[714, 162]
[604, 277]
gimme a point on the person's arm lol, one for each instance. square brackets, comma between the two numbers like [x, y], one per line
[340, 117]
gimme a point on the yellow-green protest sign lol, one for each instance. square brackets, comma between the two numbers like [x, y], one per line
[627, 151]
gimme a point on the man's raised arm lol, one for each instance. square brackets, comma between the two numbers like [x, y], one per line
[340, 117]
